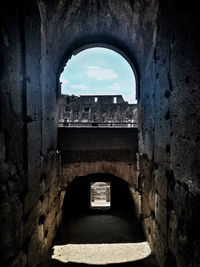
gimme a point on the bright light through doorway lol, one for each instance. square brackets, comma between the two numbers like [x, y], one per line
[100, 195]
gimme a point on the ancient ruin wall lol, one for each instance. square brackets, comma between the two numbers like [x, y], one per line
[169, 136]
[104, 110]
[30, 164]
[93, 150]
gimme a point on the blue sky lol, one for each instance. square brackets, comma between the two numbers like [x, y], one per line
[98, 71]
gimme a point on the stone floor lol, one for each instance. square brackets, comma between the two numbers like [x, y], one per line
[99, 227]
[100, 254]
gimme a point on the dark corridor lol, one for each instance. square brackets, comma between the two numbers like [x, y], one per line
[81, 224]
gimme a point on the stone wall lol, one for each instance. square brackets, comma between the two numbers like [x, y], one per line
[98, 144]
[100, 151]
[30, 193]
[105, 150]
[169, 130]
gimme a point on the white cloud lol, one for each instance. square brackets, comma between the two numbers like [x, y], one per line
[115, 86]
[64, 81]
[101, 74]
[79, 86]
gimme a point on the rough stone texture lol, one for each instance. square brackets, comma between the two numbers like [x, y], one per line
[121, 169]
[98, 144]
[30, 171]
[103, 150]
[173, 160]
[161, 38]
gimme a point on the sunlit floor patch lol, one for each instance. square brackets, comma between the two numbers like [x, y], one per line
[101, 253]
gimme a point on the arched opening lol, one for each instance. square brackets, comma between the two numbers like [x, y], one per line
[106, 44]
[98, 88]
[91, 55]
[97, 229]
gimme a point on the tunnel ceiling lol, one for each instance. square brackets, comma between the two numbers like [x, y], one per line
[109, 22]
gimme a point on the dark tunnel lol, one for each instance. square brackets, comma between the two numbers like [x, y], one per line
[83, 224]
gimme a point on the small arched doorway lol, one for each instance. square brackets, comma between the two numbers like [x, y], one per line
[115, 223]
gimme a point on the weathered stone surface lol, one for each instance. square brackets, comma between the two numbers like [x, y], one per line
[96, 110]
[98, 144]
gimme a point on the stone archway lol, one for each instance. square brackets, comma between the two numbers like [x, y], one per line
[109, 46]
[100, 229]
